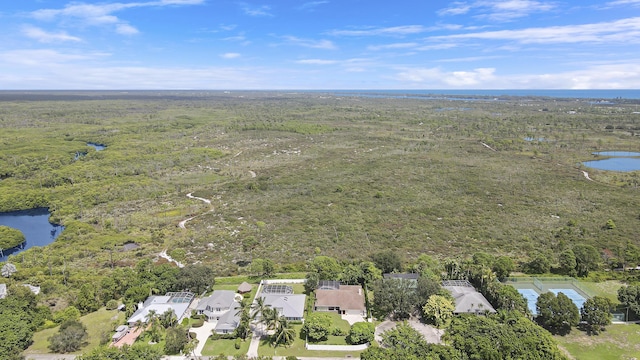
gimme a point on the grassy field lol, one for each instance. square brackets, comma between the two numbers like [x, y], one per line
[96, 323]
[619, 342]
[608, 289]
[226, 347]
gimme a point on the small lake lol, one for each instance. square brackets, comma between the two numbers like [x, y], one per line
[623, 161]
[98, 147]
[35, 226]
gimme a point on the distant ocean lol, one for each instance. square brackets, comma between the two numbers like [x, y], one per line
[569, 94]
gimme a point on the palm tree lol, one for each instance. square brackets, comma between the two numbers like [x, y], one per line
[259, 308]
[152, 320]
[284, 334]
[168, 318]
[270, 318]
[242, 330]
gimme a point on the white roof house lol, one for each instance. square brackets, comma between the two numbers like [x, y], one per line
[178, 302]
[217, 304]
[467, 299]
[3, 291]
[290, 305]
[229, 321]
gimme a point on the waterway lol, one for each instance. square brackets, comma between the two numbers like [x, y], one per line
[35, 226]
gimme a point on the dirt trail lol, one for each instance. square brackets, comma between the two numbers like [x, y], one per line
[586, 175]
[164, 254]
[184, 222]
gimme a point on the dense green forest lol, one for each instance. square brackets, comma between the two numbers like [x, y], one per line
[292, 175]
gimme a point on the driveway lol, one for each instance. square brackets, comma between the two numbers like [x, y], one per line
[352, 319]
[430, 333]
[202, 334]
[384, 326]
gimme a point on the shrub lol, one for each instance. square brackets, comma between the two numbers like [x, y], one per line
[112, 304]
[338, 332]
[197, 323]
[361, 333]
[237, 344]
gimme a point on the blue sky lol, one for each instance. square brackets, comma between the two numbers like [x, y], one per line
[321, 44]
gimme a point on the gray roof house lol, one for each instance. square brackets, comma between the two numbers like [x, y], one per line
[229, 321]
[467, 299]
[289, 305]
[178, 302]
[217, 304]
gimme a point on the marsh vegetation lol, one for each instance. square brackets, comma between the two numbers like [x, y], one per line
[291, 174]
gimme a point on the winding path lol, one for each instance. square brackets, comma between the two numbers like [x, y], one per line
[182, 223]
[164, 254]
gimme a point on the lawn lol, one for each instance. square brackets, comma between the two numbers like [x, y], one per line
[95, 322]
[298, 346]
[617, 342]
[608, 289]
[225, 347]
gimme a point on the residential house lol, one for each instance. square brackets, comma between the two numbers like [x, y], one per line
[467, 299]
[178, 302]
[3, 291]
[229, 321]
[291, 306]
[217, 304]
[346, 300]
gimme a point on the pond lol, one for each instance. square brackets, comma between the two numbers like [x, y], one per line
[623, 161]
[35, 226]
[98, 147]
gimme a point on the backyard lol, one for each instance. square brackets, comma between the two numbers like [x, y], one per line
[619, 341]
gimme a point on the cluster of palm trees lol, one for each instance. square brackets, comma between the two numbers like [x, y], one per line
[272, 321]
[154, 322]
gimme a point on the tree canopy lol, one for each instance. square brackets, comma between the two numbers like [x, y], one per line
[10, 237]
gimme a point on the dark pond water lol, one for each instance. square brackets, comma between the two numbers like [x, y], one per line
[623, 161]
[35, 226]
[98, 147]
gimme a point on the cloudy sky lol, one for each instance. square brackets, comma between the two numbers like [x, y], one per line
[322, 44]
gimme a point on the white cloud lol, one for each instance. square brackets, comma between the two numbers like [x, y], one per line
[47, 37]
[498, 10]
[311, 5]
[603, 76]
[315, 44]
[457, 8]
[392, 46]
[101, 14]
[624, 2]
[44, 56]
[230, 55]
[388, 31]
[316, 62]
[431, 76]
[257, 11]
[126, 29]
[182, 2]
[624, 30]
